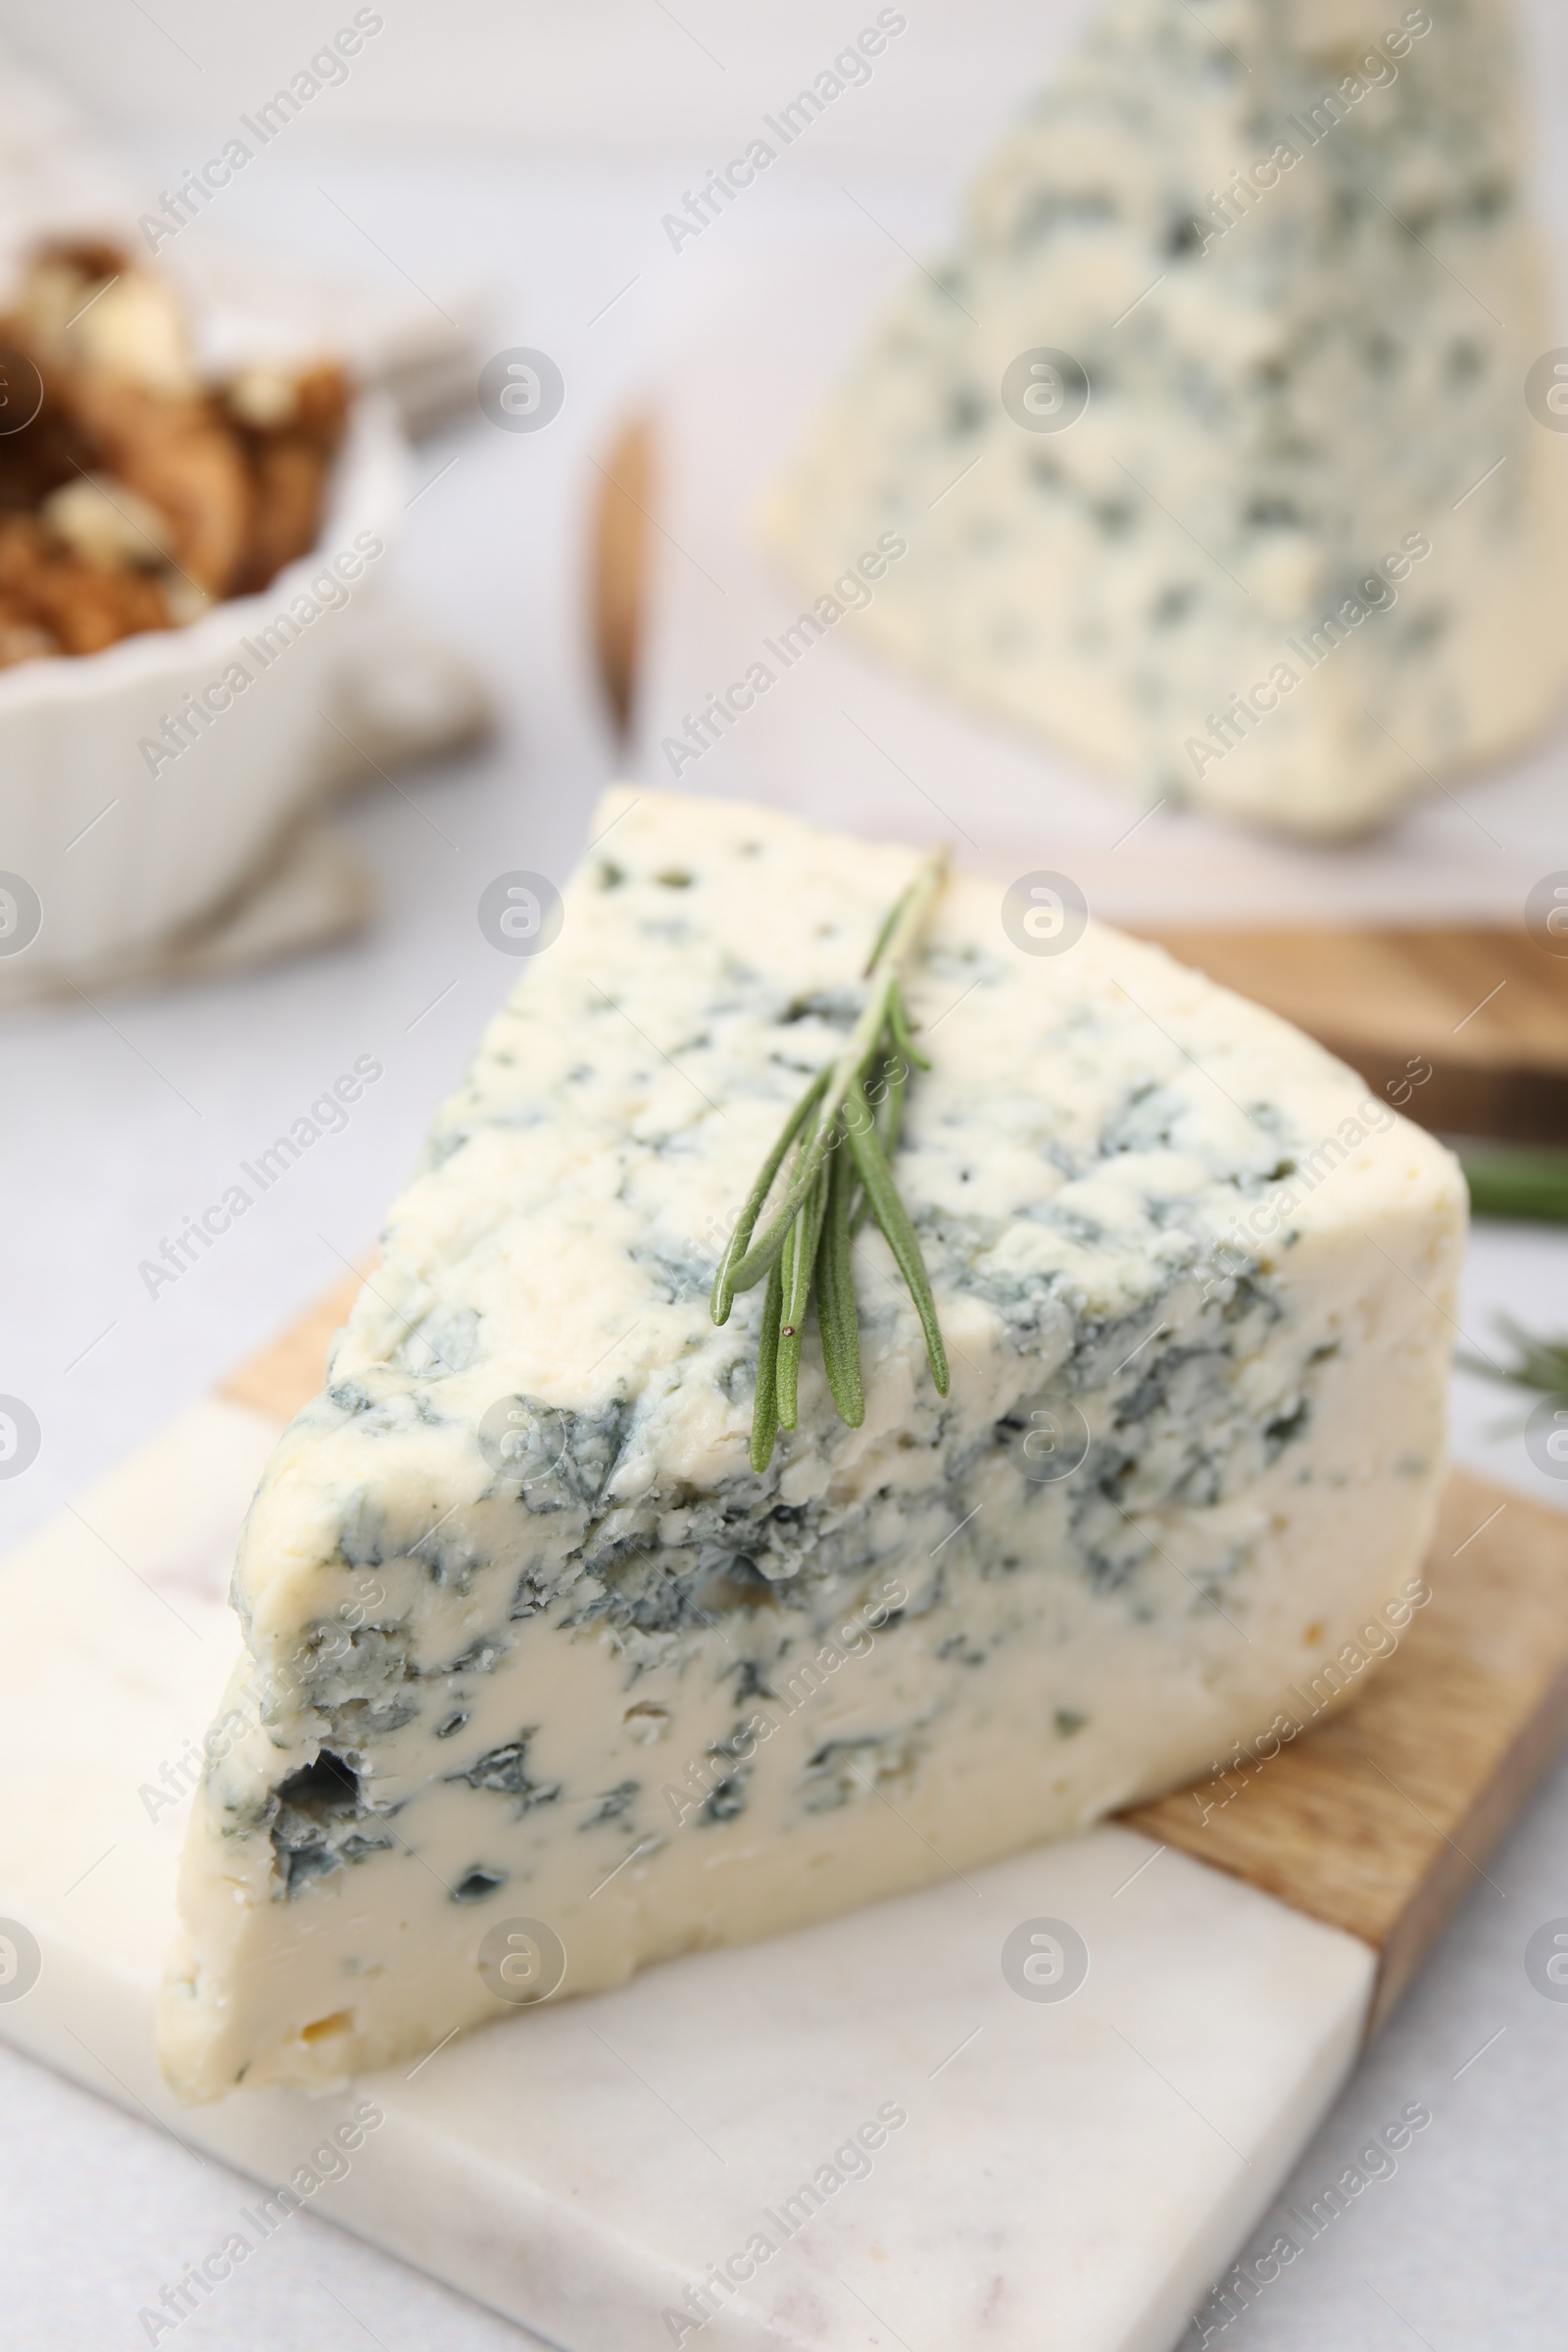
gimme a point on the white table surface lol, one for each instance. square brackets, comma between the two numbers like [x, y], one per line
[120, 1121]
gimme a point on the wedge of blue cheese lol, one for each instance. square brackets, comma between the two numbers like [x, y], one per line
[526, 1639]
[1306, 549]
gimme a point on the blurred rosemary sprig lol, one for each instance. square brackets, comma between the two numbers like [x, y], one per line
[1538, 1364]
[1507, 1183]
[857, 1100]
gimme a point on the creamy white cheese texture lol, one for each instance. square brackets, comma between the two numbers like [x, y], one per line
[1304, 549]
[527, 1637]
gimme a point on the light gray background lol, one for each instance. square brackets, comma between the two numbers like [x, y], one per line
[530, 150]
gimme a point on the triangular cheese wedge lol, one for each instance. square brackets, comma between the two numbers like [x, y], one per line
[1227, 443]
[543, 1682]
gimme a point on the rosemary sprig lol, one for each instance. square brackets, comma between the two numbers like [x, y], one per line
[805, 1248]
[1507, 1183]
[1538, 1364]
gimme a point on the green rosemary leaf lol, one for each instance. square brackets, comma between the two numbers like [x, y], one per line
[837, 1319]
[784, 1271]
[892, 1076]
[724, 1284]
[1540, 1364]
[796, 1266]
[749, 1270]
[805, 1243]
[894, 1218]
[890, 1111]
[764, 1408]
[898, 1023]
[888, 925]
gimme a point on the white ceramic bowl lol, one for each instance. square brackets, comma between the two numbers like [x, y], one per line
[117, 850]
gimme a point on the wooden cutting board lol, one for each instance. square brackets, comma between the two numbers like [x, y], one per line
[1466, 1029]
[1377, 1818]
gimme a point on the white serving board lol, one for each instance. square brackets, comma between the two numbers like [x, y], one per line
[1071, 2177]
[848, 738]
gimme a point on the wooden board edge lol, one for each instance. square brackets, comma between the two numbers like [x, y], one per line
[617, 563]
[1511, 1101]
[282, 1376]
[1410, 1011]
[1535, 1746]
[1365, 1820]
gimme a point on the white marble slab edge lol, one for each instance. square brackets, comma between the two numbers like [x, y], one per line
[1069, 2173]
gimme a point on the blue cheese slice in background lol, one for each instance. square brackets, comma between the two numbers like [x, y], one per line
[1304, 549]
[528, 1641]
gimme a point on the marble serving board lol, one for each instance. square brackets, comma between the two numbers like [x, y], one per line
[862, 2135]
